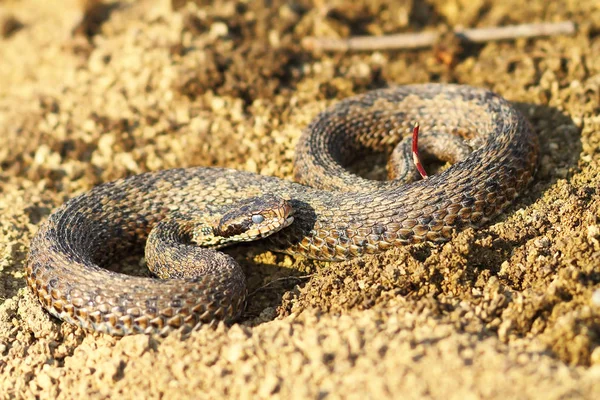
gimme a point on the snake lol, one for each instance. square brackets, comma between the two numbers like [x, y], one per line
[180, 218]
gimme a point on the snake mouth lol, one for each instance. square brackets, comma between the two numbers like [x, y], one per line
[288, 221]
[287, 213]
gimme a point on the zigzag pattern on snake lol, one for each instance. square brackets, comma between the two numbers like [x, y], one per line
[336, 214]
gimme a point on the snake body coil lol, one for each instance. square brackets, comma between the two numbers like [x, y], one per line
[337, 215]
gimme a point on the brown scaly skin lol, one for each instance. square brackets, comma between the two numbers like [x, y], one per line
[341, 216]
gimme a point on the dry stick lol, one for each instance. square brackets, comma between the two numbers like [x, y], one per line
[285, 278]
[428, 39]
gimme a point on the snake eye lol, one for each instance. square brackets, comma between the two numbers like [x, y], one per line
[257, 218]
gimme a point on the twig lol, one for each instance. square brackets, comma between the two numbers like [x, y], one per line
[428, 39]
[286, 278]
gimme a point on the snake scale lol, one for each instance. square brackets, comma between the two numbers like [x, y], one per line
[331, 214]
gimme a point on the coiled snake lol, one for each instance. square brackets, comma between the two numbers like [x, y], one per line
[331, 215]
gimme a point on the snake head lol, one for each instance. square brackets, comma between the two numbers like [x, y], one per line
[250, 219]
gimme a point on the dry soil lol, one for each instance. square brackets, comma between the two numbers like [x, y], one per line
[508, 311]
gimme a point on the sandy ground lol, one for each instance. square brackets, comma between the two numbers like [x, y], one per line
[509, 311]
